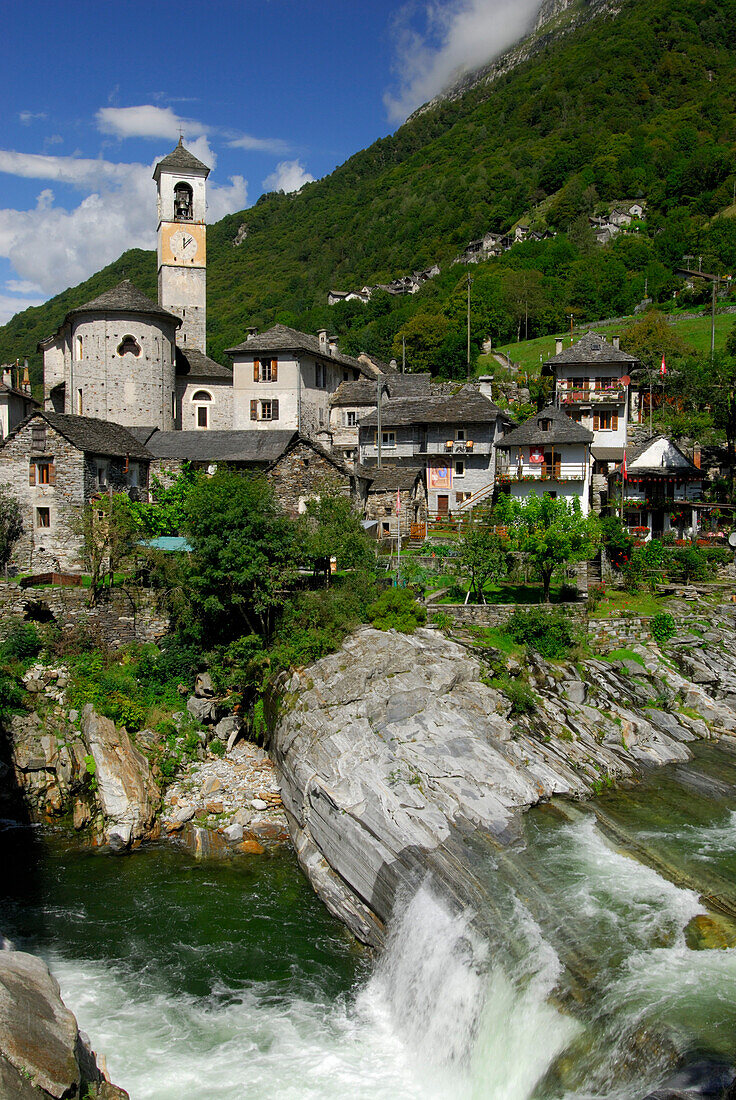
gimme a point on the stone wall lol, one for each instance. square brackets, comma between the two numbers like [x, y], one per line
[120, 619]
[302, 474]
[495, 614]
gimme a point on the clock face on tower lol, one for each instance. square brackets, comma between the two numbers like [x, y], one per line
[183, 244]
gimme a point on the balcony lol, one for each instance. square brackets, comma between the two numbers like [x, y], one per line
[578, 395]
[558, 471]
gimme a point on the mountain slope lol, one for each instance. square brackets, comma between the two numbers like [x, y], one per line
[643, 104]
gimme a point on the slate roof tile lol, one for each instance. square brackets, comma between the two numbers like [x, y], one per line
[562, 430]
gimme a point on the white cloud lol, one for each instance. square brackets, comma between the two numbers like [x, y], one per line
[288, 176]
[458, 36]
[146, 121]
[259, 145]
[22, 286]
[27, 117]
[53, 247]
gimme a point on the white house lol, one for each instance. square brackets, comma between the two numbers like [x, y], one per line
[548, 453]
[659, 490]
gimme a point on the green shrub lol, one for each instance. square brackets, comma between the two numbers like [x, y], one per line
[662, 627]
[216, 747]
[519, 694]
[397, 609]
[551, 633]
[22, 643]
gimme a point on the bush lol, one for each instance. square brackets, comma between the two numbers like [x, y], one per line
[21, 643]
[519, 694]
[397, 610]
[216, 747]
[550, 633]
[662, 627]
[689, 564]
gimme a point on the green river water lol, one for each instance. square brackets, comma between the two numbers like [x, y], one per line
[230, 980]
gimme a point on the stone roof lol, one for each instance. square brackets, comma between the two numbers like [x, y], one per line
[123, 298]
[468, 406]
[389, 477]
[191, 361]
[365, 392]
[594, 349]
[301, 440]
[93, 436]
[562, 430]
[180, 160]
[283, 338]
[687, 467]
[257, 447]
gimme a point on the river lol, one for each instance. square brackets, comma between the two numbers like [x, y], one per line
[220, 981]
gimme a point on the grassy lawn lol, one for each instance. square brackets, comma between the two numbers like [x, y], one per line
[499, 593]
[617, 602]
[695, 330]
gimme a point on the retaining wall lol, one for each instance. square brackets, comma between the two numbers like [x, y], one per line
[119, 618]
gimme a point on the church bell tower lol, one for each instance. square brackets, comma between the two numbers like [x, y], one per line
[182, 244]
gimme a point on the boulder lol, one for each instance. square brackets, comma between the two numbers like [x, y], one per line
[233, 833]
[229, 730]
[126, 791]
[211, 784]
[203, 709]
[203, 685]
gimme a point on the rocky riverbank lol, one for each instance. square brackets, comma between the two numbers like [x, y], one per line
[42, 1052]
[397, 749]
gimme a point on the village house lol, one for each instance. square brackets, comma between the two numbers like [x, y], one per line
[452, 437]
[54, 464]
[204, 392]
[306, 471]
[353, 400]
[378, 492]
[16, 402]
[548, 453]
[659, 490]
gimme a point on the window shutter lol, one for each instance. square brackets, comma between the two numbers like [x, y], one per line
[274, 370]
[256, 370]
[614, 422]
[52, 473]
[596, 423]
[274, 410]
[32, 473]
[254, 410]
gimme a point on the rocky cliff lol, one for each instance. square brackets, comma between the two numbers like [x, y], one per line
[42, 1052]
[396, 750]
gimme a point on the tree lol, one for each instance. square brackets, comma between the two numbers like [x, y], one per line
[482, 556]
[109, 534]
[11, 526]
[651, 337]
[244, 556]
[165, 514]
[551, 532]
[332, 529]
[710, 385]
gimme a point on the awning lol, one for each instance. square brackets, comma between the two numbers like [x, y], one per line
[607, 454]
[168, 543]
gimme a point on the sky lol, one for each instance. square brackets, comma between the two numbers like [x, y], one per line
[272, 94]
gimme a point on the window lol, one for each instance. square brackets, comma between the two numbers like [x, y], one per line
[545, 424]
[351, 419]
[41, 473]
[388, 439]
[265, 370]
[38, 438]
[43, 517]
[459, 468]
[183, 203]
[101, 472]
[321, 417]
[203, 414]
[460, 497]
[80, 347]
[605, 421]
[134, 474]
[129, 346]
[264, 410]
[80, 401]
[44, 473]
[319, 375]
[460, 435]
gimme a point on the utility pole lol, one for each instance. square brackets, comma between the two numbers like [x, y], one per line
[378, 424]
[403, 354]
[470, 283]
[713, 321]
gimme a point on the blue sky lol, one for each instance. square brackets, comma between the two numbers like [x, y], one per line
[270, 93]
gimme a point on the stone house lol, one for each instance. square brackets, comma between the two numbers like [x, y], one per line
[283, 379]
[54, 464]
[353, 400]
[113, 358]
[659, 490]
[16, 402]
[548, 453]
[169, 451]
[304, 471]
[452, 437]
[378, 491]
[204, 392]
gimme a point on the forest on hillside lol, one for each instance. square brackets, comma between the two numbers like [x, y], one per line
[642, 106]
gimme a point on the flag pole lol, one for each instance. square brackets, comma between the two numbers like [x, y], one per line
[398, 536]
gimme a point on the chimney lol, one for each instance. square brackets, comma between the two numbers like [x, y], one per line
[26, 377]
[333, 345]
[252, 332]
[616, 341]
[558, 345]
[322, 335]
[485, 386]
[696, 455]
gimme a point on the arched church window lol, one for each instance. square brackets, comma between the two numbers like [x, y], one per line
[183, 202]
[202, 395]
[129, 346]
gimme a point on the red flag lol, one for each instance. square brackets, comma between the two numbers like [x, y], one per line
[398, 502]
[663, 368]
[624, 471]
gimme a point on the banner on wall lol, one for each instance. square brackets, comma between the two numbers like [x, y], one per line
[536, 455]
[440, 477]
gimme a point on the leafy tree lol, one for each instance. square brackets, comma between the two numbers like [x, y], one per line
[551, 532]
[425, 334]
[165, 513]
[332, 529]
[11, 526]
[650, 338]
[702, 383]
[617, 540]
[244, 557]
[482, 556]
[109, 534]
[396, 609]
